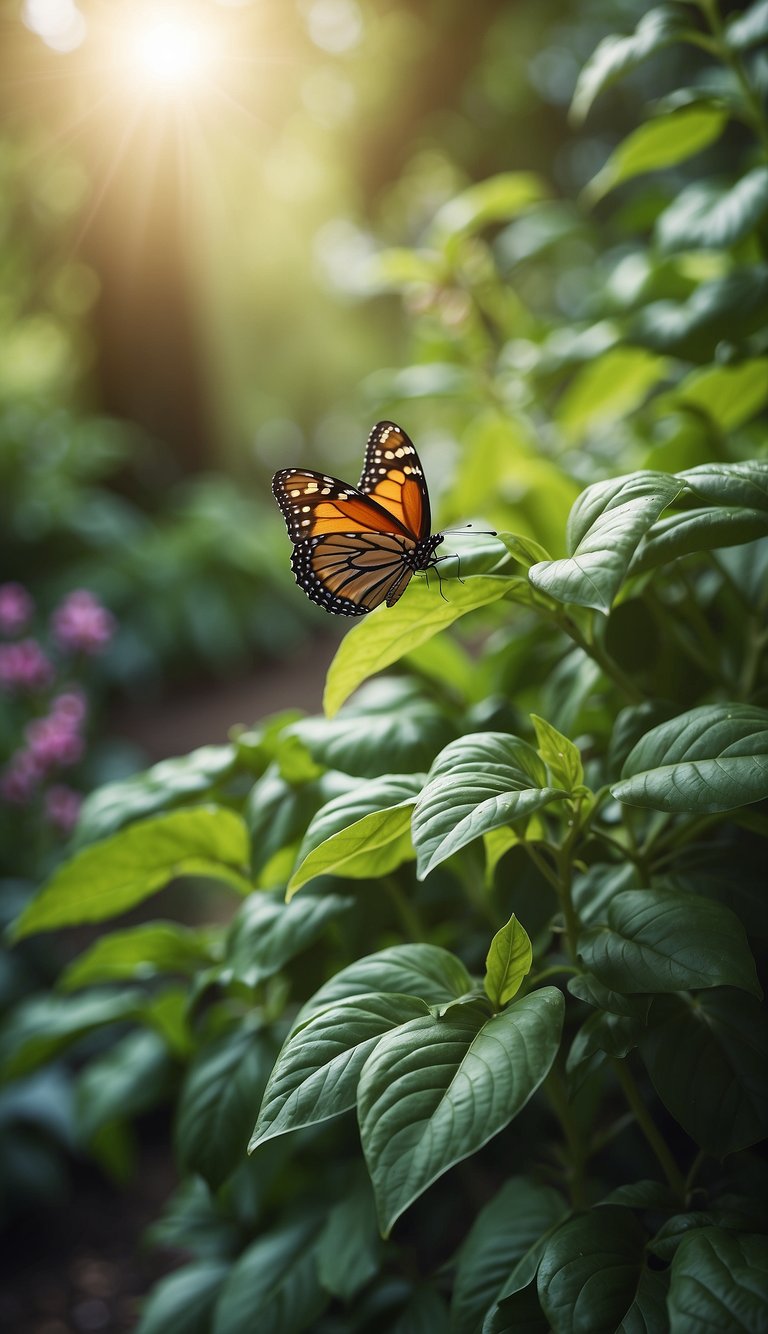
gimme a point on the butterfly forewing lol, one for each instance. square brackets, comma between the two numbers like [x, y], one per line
[313, 503]
[393, 476]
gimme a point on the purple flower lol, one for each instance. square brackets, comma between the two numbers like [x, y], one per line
[20, 778]
[24, 666]
[16, 608]
[54, 741]
[62, 807]
[81, 624]
[72, 705]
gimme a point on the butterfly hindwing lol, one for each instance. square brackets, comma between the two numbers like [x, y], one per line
[393, 476]
[351, 573]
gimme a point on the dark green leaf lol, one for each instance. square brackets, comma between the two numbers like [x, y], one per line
[616, 56]
[133, 1075]
[590, 1270]
[349, 1249]
[519, 1313]
[274, 1283]
[43, 1025]
[168, 783]
[713, 758]
[719, 1281]
[708, 217]
[435, 1090]
[707, 1056]
[109, 877]
[217, 1104]
[183, 1302]
[426, 971]
[660, 941]
[278, 812]
[267, 932]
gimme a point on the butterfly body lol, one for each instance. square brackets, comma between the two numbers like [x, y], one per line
[356, 547]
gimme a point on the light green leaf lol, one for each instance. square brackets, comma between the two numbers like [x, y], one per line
[426, 971]
[616, 56]
[166, 784]
[730, 395]
[504, 1231]
[317, 1071]
[342, 841]
[435, 1090]
[109, 877]
[183, 1302]
[713, 758]
[658, 144]
[388, 633]
[275, 1282]
[660, 941]
[590, 1271]
[719, 1281]
[559, 754]
[267, 933]
[138, 953]
[706, 216]
[478, 783]
[749, 28]
[609, 388]
[524, 549]
[605, 528]
[509, 961]
[496, 199]
[714, 1041]
[217, 1104]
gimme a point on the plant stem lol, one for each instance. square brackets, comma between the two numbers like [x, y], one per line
[554, 1087]
[598, 654]
[652, 1133]
[556, 968]
[754, 115]
[409, 917]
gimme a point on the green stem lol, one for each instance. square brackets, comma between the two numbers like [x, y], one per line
[535, 978]
[554, 1087]
[754, 114]
[409, 917]
[603, 659]
[542, 866]
[650, 1130]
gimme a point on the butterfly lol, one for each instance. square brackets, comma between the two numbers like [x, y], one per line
[356, 547]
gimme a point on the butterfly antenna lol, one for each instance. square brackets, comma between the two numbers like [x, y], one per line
[481, 532]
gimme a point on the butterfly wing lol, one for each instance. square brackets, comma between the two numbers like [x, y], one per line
[313, 504]
[351, 573]
[393, 477]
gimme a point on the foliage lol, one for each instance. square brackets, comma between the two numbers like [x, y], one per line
[488, 1011]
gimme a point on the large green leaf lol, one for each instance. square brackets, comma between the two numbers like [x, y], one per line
[508, 962]
[590, 1271]
[732, 307]
[707, 1056]
[108, 878]
[388, 633]
[435, 1090]
[168, 783]
[607, 389]
[362, 834]
[278, 811]
[43, 1025]
[731, 484]
[426, 971]
[660, 941]
[183, 1302]
[504, 1232]
[677, 535]
[714, 758]
[749, 28]
[349, 1249]
[273, 1285]
[605, 528]
[719, 1281]
[658, 144]
[217, 1104]
[496, 199]
[706, 216]
[267, 932]
[616, 56]
[140, 952]
[317, 1072]
[730, 395]
[478, 783]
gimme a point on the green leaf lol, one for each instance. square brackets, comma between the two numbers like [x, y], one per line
[267, 933]
[275, 1282]
[388, 633]
[669, 1236]
[713, 758]
[138, 953]
[496, 199]
[708, 217]
[349, 1249]
[730, 395]
[166, 784]
[183, 1302]
[659, 144]
[361, 835]
[133, 1075]
[478, 783]
[426, 971]
[681, 534]
[605, 528]
[519, 1313]
[217, 1104]
[435, 1090]
[503, 1233]
[41, 1026]
[750, 28]
[707, 1056]
[590, 1270]
[743, 484]
[616, 56]
[278, 812]
[317, 1072]
[730, 308]
[660, 941]
[719, 1281]
[559, 754]
[108, 878]
[509, 961]
[608, 389]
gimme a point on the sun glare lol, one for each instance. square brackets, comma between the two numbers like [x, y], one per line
[170, 52]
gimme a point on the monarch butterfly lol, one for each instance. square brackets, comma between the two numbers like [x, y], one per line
[356, 547]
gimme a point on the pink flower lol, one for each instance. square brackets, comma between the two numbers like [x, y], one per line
[24, 666]
[16, 608]
[20, 778]
[72, 705]
[62, 807]
[81, 624]
[54, 741]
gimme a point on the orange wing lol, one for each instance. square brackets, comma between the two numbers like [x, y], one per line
[393, 476]
[313, 503]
